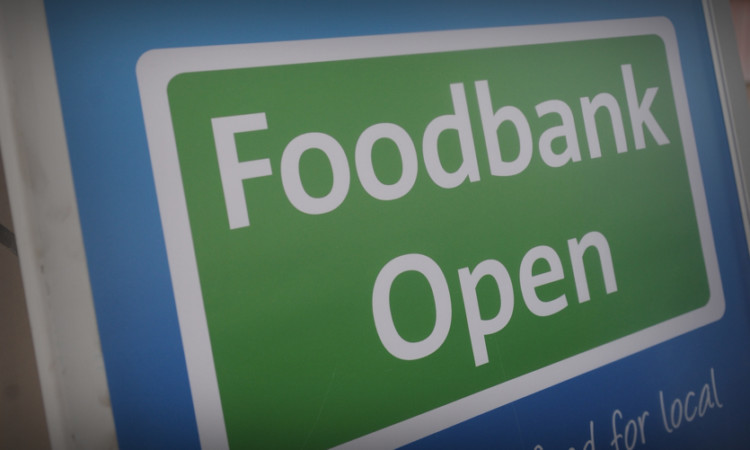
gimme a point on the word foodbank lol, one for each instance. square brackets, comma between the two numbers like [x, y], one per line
[234, 172]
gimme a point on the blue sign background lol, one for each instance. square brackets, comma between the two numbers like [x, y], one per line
[96, 46]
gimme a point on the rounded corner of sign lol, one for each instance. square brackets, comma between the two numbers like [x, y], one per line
[170, 78]
[716, 306]
[663, 27]
[146, 62]
[153, 67]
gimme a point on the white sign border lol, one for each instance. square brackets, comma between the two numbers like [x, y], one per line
[155, 70]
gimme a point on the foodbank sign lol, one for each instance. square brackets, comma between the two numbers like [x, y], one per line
[374, 238]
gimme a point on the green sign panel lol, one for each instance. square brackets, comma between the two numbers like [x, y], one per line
[374, 238]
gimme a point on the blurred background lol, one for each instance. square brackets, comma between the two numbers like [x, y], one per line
[741, 17]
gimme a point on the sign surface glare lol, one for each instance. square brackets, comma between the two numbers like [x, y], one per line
[374, 238]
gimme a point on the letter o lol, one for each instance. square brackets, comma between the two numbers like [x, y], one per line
[363, 161]
[381, 306]
[676, 424]
[290, 177]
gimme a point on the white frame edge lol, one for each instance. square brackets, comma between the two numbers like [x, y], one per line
[731, 86]
[50, 246]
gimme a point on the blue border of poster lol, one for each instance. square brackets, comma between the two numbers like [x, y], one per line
[96, 46]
